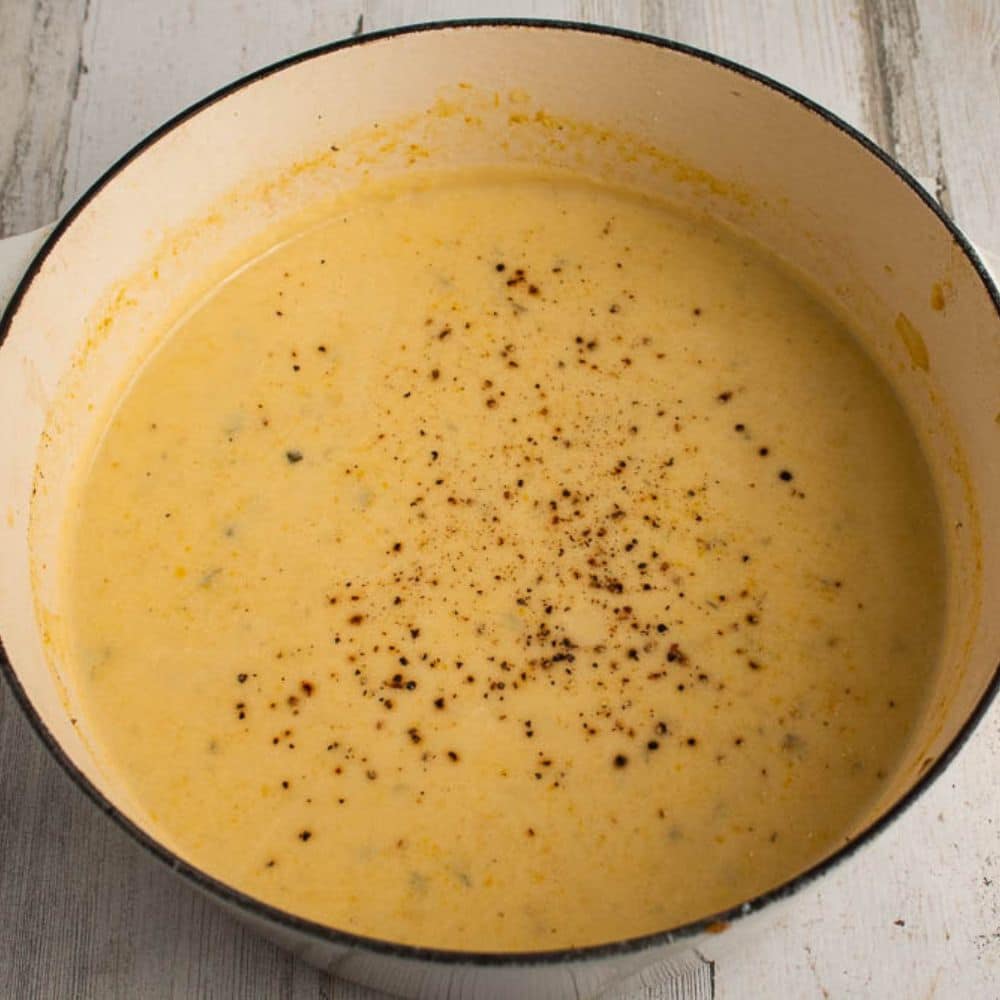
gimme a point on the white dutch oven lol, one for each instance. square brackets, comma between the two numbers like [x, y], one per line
[179, 209]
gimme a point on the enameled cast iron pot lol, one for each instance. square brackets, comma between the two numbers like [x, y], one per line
[714, 137]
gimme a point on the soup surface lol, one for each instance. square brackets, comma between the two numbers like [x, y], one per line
[508, 562]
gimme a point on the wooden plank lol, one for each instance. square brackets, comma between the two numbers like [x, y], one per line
[42, 69]
[902, 107]
[960, 66]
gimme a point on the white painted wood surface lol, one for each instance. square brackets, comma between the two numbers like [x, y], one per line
[83, 912]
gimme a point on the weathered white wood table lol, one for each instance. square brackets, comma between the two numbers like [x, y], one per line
[85, 913]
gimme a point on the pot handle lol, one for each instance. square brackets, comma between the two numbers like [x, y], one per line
[16, 253]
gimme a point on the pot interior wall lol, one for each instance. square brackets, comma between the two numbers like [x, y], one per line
[257, 163]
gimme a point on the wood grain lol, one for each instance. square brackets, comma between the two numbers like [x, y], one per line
[83, 911]
[42, 65]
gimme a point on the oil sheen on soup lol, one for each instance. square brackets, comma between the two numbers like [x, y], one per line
[507, 562]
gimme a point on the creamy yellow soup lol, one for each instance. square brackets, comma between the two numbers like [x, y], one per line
[509, 562]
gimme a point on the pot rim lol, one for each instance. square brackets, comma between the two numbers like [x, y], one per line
[712, 923]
